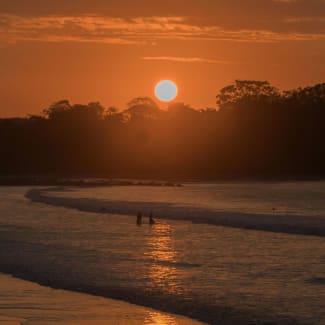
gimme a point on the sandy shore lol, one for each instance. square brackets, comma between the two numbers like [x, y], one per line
[27, 303]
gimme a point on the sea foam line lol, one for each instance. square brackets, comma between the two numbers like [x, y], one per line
[303, 225]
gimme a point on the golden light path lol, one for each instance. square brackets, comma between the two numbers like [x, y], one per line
[161, 249]
[166, 90]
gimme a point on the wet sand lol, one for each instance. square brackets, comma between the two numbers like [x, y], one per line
[27, 303]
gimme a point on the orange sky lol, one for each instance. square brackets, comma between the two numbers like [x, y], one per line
[112, 51]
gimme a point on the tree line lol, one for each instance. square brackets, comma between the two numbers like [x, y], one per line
[255, 131]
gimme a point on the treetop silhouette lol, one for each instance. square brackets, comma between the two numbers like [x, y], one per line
[255, 131]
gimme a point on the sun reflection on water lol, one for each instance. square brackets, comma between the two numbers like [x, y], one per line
[161, 244]
[155, 318]
[162, 252]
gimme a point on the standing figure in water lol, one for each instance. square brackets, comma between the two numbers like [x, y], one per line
[151, 220]
[139, 218]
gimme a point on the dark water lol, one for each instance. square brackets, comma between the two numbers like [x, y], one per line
[216, 274]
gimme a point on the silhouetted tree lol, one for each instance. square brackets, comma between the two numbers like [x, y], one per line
[257, 131]
[246, 93]
[141, 107]
[57, 108]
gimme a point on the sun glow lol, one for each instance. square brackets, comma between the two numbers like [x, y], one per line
[166, 90]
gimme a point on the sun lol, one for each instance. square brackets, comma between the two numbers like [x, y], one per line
[166, 90]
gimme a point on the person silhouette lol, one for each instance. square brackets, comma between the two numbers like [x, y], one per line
[139, 218]
[151, 220]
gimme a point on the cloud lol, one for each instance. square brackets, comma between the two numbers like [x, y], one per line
[285, 1]
[184, 59]
[230, 14]
[138, 30]
[305, 19]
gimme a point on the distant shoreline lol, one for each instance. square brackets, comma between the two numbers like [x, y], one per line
[86, 181]
[80, 182]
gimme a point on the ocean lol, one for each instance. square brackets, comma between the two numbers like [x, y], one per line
[227, 253]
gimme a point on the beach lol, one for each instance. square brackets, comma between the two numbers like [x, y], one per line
[86, 241]
[27, 303]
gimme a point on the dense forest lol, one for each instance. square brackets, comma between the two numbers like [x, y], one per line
[255, 131]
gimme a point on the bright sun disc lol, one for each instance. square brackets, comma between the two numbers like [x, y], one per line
[166, 90]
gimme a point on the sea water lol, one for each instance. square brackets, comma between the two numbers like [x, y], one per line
[221, 275]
